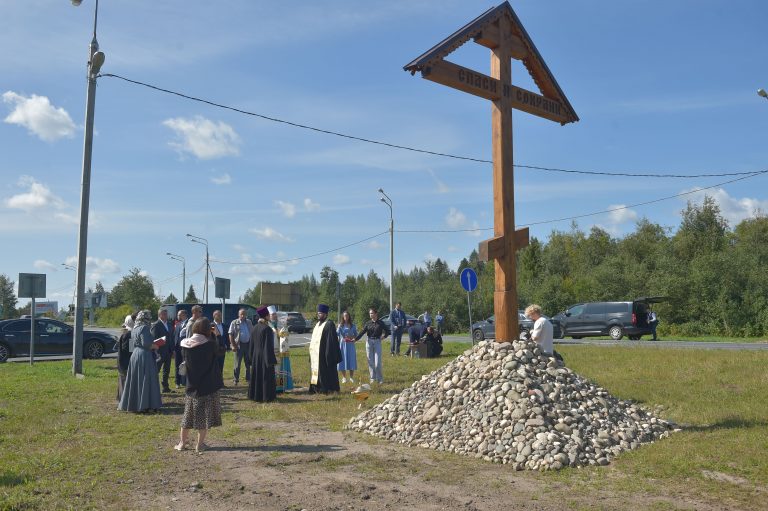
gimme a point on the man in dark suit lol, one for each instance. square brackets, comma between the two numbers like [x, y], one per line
[162, 328]
[178, 336]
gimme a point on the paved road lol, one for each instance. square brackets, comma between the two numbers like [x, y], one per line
[297, 340]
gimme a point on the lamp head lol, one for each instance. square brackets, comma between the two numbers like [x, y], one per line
[381, 190]
[761, 92]
[76, 3]
[382, 200]
[97, 60]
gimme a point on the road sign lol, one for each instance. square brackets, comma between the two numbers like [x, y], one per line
[31, 285]
[468, 279]
[222, 288]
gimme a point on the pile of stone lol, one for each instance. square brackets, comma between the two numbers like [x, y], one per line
[510, 403]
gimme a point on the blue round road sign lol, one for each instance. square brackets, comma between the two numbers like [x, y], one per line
[468, 279]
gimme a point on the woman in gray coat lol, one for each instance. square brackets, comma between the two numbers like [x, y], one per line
[141, 392]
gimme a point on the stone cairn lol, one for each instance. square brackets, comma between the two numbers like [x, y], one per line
[510, 403]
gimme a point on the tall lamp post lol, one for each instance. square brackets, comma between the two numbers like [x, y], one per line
[386, 200]
[761, 92]
[183, 273]
[95, 61]
[203, 241]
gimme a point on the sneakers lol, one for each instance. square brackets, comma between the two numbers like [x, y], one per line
[344, 380]
[351, 380]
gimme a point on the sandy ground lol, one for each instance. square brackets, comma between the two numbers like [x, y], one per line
[297, 465]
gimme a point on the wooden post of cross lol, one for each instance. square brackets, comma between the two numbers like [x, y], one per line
[500, 30]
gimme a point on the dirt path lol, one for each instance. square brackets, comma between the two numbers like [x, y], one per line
[298, 465]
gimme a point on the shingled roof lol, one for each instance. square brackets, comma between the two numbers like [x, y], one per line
[533, 62]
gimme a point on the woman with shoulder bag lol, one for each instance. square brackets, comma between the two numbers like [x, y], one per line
[202, 405]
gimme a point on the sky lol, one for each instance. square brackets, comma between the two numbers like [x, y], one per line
[660, 87]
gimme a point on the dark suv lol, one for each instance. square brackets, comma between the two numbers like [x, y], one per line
[615, 319]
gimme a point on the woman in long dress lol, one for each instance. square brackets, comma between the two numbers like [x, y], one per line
[141, 392]
[347, 333]
[202, 404]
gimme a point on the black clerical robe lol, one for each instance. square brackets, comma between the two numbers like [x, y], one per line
[262, 350]
[324, 356]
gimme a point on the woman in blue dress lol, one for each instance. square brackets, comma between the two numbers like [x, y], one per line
[347, 333]
[141, 392]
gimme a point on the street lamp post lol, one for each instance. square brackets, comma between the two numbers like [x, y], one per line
[203, 241]
[386, 200]
[95, 61]
[183, 273]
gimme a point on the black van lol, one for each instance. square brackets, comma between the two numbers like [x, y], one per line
[616, 319]
[230, 310]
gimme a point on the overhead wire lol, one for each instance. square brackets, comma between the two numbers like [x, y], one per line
[415, 149]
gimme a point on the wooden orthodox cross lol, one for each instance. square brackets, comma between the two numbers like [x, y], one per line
[500, 30]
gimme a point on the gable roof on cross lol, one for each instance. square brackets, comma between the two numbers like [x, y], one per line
[484, 31]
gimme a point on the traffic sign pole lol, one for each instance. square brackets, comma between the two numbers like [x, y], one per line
[468, 279]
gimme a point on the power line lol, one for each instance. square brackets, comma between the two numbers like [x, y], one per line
[415, 149]
[611, 210]
[302, 257]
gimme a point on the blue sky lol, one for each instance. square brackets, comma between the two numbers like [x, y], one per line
[659, 86]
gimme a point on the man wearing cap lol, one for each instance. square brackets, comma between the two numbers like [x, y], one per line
[263, 360]
[240, 338]
[324, 354]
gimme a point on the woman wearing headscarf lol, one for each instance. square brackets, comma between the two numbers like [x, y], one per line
[141, 392]
[124, 353]
[202, 405]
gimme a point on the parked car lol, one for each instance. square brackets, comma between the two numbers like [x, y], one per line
[388, 323]
[231, 310]
[615, 319]
[486, 329]
[294, 321]
[52, 337]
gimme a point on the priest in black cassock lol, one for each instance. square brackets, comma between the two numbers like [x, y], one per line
[263, 361]
[324, 354]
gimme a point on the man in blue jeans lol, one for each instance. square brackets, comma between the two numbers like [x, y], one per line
[397, 320]
[239, 338]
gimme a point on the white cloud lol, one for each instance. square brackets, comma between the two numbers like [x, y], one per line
[620, 216]
[341, 259]
[455, 218]
[96, 266]
[477, 232]
[311, 206]
[452, 249]
[42, 264]
[38, 196]
[440, 186]
[429, 257]
[269, 233]
[238, 247]
[733, 209]
[72, 219]
[223, 179]
[39, 116]
[288, 209]
[374, 245]
[203, 138]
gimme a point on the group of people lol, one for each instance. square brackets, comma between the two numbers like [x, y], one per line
[425, 340]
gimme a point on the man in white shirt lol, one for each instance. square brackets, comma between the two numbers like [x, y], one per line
[239, 338]
[542, 329]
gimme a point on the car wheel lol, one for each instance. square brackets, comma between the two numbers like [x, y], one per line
[634, 337]
[616, 332]
[93, 349]
[575, 337]
[5, 352]
[478, 335]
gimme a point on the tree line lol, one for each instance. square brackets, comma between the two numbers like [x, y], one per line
[712, 275]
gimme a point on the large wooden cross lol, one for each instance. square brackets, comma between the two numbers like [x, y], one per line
[500, 30]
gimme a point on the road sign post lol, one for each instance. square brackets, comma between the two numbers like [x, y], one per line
[32, 285]
[469, 282]
[222, 291]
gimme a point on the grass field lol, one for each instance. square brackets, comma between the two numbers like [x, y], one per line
[63, 445]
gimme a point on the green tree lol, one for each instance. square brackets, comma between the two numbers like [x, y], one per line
[7, 297]
[251, 296]
[136, 290]
[191, 296]
[702, 230]
[171, 299]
